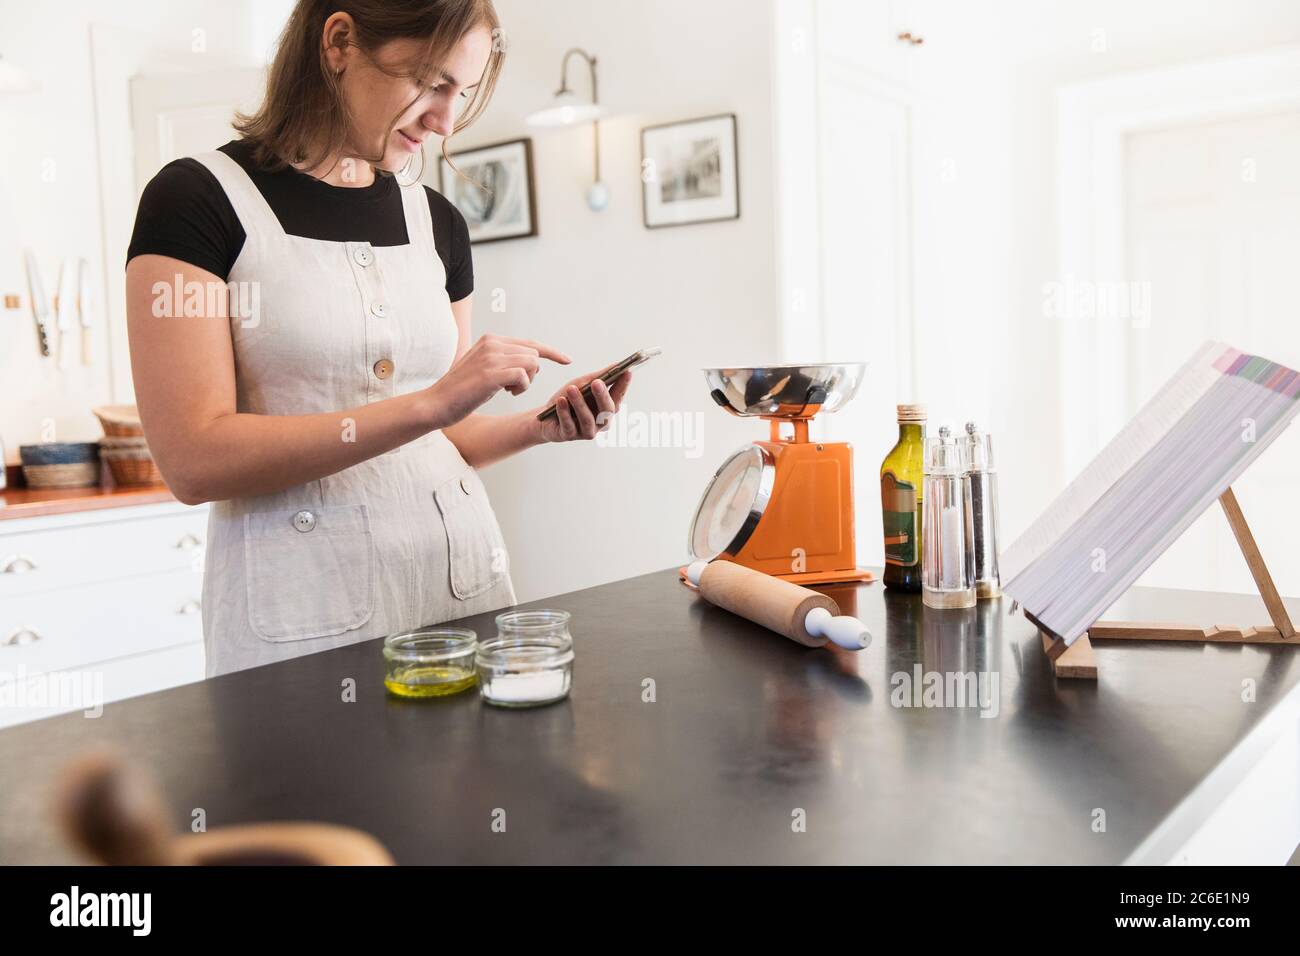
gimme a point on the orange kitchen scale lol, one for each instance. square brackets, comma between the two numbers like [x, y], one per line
[783, 506]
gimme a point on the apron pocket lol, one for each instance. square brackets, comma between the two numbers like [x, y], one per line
[310, 573]
[476, 549]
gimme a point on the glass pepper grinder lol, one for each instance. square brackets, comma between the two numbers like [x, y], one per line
[947, 576]
[981, 481]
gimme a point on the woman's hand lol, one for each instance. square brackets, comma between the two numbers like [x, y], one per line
[573, 419]
[492, 363]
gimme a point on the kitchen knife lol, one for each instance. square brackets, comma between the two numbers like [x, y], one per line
[64, 306]
[84, 308]
[40, 306]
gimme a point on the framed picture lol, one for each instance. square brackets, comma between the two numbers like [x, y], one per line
[495, 192]
[689, 172]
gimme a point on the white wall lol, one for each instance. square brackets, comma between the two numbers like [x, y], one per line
[600, 285]
[49, 181]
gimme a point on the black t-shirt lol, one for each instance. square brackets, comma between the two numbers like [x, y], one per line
[184, 214]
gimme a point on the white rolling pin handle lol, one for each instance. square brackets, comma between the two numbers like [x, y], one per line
[848, 632]
[694, 570]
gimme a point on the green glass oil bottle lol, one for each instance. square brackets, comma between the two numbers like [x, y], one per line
[900, 500]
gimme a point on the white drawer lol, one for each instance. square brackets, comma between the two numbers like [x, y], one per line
[44, 559]
[61, 692]
[92, 623]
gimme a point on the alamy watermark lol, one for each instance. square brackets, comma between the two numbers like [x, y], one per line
[198, 300]
[922, 688]
[131, 911]
[55, 690]
[637, 429]
[1098, 299]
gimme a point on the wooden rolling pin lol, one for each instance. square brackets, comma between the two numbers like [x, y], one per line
[803, 615]
[115, 814]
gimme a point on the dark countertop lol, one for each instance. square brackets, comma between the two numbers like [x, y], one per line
[747, 727]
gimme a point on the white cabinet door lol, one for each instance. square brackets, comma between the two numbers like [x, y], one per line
[48, 559]
[84, 626]
[181, 115]
[145, 121]
[98, 607]
[865, 246]
[873, 34]
[847, 109]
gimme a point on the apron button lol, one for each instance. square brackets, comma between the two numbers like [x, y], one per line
[379, 310]
[383, 369]
[304, 521]
[363, 256]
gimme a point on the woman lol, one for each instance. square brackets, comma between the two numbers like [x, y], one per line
[326, 405]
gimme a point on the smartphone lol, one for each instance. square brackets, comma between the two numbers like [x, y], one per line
[633, 360]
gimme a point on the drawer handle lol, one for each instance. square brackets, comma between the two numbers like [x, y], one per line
[188, 542]
[23, 635]
[190, 607]
[17, 564]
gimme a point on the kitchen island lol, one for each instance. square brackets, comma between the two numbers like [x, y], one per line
[694, 736]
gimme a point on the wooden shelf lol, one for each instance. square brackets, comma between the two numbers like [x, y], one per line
[31, 502]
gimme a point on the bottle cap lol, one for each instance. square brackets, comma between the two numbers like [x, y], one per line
[943, 454]
[911, 413]
[979, 449]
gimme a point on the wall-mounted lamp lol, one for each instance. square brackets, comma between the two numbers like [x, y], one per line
[568, 109]
[14, 79]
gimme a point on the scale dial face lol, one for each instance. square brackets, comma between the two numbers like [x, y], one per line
[732, 503]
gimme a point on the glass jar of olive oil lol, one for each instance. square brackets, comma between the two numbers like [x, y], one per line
[430, 662]
[901, 476]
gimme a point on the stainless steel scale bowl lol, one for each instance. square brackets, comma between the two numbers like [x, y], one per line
[785, 391]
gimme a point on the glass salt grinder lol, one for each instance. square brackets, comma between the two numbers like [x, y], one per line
[981, 482]
[947, 573]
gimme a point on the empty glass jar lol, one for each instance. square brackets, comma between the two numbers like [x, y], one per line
[529, 662]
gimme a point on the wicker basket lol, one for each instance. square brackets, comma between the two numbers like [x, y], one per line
[81, 474]
[131, 465]
[119, 421]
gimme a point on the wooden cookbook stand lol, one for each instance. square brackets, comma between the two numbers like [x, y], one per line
[1077, 660]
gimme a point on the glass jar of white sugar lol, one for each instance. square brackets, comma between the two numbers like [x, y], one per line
[529, 662]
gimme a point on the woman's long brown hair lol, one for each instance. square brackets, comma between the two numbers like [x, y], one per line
[304, 120]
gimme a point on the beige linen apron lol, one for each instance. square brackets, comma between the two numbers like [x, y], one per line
[405, 539]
